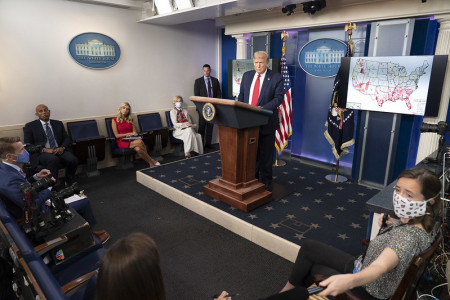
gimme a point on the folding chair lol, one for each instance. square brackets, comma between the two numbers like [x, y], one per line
[89, 144]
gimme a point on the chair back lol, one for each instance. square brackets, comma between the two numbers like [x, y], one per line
[170, 124]
[83, 130]
[115, 150]
[108, 122]
[149, 122]
[89, 144]
[408, 286]
[168, 119]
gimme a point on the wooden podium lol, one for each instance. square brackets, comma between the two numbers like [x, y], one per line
[238, 137]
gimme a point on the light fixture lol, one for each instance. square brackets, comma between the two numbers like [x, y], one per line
[289, 9]
[163, 6]
[311, 7]
[184, 4]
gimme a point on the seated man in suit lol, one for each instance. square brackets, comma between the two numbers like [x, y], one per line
[53, 139]
[13, 155]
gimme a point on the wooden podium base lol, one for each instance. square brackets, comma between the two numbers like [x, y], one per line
[245, 197]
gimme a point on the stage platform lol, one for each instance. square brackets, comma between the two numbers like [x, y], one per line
[316, 208]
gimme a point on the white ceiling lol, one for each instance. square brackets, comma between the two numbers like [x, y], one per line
[203, 9]
[212, 9]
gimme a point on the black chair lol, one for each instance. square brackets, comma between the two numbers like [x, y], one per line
[176, 143]
[125, 155]
[157, 134]
[88, 143]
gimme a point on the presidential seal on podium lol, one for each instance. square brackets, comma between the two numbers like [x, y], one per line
[208, 111]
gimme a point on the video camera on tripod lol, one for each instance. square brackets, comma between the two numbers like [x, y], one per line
[38, 223]
[441, 129]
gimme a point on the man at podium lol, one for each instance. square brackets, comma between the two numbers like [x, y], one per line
[264, 88]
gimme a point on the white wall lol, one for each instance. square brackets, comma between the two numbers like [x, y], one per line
[35, 67]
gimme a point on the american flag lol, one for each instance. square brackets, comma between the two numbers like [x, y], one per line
[284, 110]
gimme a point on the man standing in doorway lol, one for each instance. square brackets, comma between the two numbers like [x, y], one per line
[264, 88]
[206, 86]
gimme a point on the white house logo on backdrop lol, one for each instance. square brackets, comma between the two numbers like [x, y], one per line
[322, 57]
[94, 50]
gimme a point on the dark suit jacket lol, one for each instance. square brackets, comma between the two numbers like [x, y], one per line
[201, 90]
[270, 96]
[34, 134]
[10, 181]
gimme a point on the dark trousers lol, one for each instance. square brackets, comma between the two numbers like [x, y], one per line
[205, 129]
[83, 207]
[318, 258]
[264, 158]
[53, 163]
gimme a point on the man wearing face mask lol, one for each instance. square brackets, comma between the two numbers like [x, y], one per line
[13, 156]
[206, 86]
[184, 130]
[54, 141]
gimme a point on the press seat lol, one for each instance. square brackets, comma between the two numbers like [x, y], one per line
[88, 143]
[125, 155]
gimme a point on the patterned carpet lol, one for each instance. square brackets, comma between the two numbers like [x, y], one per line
[333, 213]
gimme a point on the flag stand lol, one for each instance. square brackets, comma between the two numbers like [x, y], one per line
[278, 162]
[336, 178]
[285, 109]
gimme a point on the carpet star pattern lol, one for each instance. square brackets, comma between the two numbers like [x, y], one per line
[343, 236]
[333, 213]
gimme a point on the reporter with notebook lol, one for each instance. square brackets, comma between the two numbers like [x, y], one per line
[123, 127]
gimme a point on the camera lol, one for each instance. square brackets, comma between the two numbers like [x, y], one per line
[34, 219]
[67, 192]
[31, 190]
[60, 210]
[440, 128]
[33, 148]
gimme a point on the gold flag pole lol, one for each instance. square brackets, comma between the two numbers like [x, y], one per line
[279, 162]
[348, 27]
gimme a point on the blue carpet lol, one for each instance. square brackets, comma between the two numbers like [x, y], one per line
[333, 213]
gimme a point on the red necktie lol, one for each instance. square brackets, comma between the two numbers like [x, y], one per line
[255, 95]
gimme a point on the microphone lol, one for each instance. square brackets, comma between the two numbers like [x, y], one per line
[297, 293]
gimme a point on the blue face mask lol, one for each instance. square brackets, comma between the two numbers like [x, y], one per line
[178, 104]
[23, 158]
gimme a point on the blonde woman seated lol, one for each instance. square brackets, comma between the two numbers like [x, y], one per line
[123, 126]
[183, 130]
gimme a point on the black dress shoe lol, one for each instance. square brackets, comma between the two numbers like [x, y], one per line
[268, 188]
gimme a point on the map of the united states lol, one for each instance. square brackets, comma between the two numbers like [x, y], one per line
[386, 81]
